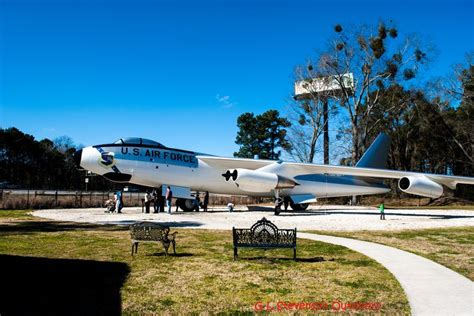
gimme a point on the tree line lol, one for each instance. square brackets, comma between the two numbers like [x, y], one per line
[46, 164]
[376, 83]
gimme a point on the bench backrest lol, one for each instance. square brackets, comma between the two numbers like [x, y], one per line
[264, 234]
[148, 231]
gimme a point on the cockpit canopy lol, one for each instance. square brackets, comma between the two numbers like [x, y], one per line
[138, 141]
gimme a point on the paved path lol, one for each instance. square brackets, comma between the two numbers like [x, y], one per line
[432, 289]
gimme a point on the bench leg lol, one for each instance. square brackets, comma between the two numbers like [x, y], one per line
[294, 254]
[134, 247]
[235, 253]
[166, 246]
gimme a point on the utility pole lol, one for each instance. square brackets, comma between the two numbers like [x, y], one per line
[326, 130]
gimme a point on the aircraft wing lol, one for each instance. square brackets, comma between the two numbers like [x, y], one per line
[232, 163]
[296, 168]
[305, 168]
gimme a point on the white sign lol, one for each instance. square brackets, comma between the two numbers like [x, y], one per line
[317, 85]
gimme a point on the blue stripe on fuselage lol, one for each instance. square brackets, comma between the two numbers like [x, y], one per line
[156, 155]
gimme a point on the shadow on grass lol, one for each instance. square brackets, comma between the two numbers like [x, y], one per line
[25, 227]
[162, 254]
[43, 286]
[53, 226]
[127, 223]
[277, 259]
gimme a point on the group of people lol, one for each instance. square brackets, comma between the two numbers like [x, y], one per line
[198, 204]
[115, 205]
[158, 201]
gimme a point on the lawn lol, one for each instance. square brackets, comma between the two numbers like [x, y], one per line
[451, 247]
[82, 268]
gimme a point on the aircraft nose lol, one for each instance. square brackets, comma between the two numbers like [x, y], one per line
[78, 158]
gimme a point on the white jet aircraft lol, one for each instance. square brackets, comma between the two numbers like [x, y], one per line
[149, 163]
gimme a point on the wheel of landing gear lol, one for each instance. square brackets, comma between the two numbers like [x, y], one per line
[298, 207]
[278, 203]
[186, 205]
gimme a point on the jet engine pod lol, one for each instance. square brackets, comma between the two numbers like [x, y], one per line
[420, 186]
[260, 181]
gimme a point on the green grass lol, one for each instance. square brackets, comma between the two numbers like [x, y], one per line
[451, 247]
[202, 277]
[10, 215]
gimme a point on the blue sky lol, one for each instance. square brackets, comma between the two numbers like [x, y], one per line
[182, 72]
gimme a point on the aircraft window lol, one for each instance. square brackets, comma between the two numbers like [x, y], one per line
[132, 140]
[150, 142]
[138, 141]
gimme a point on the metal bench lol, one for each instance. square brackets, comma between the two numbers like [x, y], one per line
[264, 235]
[152, 232]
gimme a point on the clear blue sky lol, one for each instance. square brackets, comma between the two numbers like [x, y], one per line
[180, 72]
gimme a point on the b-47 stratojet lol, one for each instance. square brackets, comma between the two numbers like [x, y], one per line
[149, 163]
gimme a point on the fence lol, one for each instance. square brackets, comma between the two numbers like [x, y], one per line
[41, 199]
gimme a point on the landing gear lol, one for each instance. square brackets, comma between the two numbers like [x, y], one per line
[278, 202]
[286, 201]
[186, 205]
[298, 207]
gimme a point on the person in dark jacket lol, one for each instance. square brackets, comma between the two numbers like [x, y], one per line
[206, 201]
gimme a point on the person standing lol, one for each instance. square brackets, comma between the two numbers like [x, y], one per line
[206, 201]
[156, 201]
[169, 197]
[147, 202]
[196, 202]
[118, 201]
[382, 211]
[286, 201]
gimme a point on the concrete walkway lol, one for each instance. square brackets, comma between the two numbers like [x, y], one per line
[431, 289]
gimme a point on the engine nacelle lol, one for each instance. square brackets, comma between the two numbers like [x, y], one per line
[420, 186]
[258, 181]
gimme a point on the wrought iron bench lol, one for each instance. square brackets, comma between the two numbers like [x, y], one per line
[152, 232]
[264, 235]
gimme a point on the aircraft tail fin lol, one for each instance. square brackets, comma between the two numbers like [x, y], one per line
[377, 154]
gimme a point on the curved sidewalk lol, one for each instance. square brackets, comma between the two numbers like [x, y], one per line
[431, 288]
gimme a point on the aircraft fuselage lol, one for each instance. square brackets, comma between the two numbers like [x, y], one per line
[153, 166]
